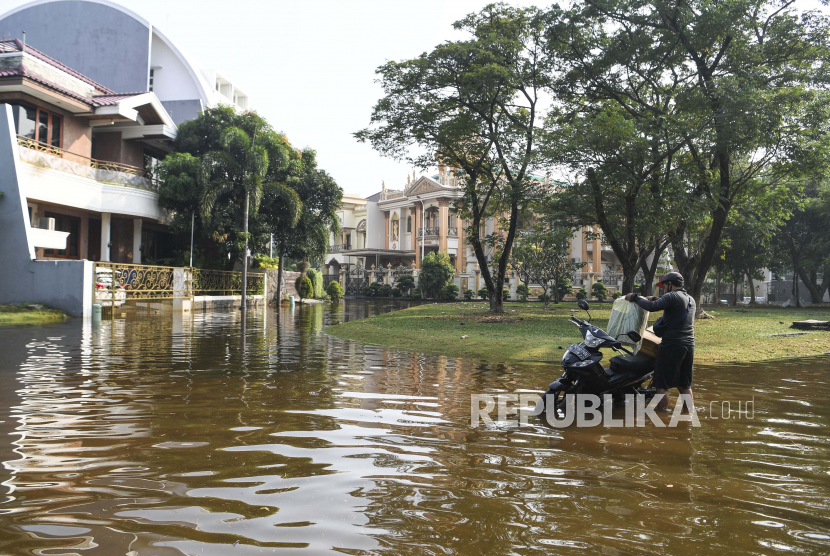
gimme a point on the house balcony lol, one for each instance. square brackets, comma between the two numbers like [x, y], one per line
[340, 248]
[47, 156]
[51, 175]
[429, 232]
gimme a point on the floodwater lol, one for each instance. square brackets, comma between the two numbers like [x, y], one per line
[158, 435]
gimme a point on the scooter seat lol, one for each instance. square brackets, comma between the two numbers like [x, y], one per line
[639, 363]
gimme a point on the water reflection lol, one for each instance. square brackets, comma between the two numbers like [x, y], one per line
[173, 435]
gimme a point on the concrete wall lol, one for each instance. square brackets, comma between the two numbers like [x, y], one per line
[183, 110]
[100, 41]
[65, 285]
[375, 227]
[287, 285]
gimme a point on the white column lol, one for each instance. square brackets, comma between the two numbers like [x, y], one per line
[106, 236]
[137, 241]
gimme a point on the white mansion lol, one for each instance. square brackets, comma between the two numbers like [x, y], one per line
[390, 232]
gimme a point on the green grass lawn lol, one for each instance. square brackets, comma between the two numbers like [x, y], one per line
[529, 332]
[28, 314]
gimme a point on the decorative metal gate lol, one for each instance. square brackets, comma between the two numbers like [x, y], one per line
[356, 278]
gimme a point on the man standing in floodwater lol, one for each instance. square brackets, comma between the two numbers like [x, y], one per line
[675, 356]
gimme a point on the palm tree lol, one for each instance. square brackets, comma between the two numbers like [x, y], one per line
[238, 169]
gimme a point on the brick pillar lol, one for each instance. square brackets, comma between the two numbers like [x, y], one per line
[584, 249]
[416, 242]
[597, 254]
[443, 214]
[460, 258]
[386, 229]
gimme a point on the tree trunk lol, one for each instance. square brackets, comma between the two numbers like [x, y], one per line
[751, 288]
[629, 275]
[717, 287]
[734, 291]
[811, 281]
[245, 257]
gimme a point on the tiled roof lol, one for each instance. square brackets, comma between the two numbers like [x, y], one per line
[21, 71]
[109, 100]
[15, 45]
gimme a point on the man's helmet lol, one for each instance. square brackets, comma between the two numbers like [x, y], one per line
[673, 277]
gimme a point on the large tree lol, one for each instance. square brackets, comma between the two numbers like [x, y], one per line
[318, 197]
[474, 105]
[206, 143]
[741, 76]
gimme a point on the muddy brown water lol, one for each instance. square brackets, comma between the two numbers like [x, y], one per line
[156, 435]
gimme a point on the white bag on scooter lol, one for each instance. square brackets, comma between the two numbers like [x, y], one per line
[627, 316]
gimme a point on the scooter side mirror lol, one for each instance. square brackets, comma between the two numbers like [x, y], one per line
[634, 335]
[583, 305]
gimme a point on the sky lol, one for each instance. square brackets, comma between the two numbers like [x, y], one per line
[308, 66]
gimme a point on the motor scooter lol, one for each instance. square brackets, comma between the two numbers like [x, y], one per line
[628, 373]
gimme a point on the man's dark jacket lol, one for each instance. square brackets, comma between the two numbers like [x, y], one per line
[680, 330]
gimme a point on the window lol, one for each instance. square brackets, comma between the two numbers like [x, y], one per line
[409, 224]
[38, 124]
[152, 78]
[25, 120]
[71, 224]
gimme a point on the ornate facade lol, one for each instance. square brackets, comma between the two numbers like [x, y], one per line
[390, 232]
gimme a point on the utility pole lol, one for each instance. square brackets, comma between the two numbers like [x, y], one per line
[192, 226]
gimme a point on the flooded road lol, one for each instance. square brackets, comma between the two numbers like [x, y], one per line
[166, 436]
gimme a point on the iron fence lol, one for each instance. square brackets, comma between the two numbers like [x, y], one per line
[117, 283]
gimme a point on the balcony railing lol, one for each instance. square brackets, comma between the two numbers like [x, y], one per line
[342, 247]
[452, 231]
[47, 156]
[428, 232]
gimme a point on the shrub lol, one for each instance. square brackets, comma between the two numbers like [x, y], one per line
[264, 261]
[505, 294]
[599, 291]
[316, 278]
[522, 291]
[450, 292]
[436, 272]
[396, 292]
[335, 291]
[405, 283]
[469, 295]
[416, 293]
[616, 295]
[546, 297]
[483, 293]
[564, 288]
[304, 287]
[582, 294]
[302, 266]
[385, 290]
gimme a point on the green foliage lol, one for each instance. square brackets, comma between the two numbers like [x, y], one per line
[385, 290]
[450, 292]
[405, 283]
[563, 288]
[522, 291]
[599, 291]
[483, 293]
[436, 272]
[474, 104]
[304, 287]
[616, 295]
[264, 261]
[335, 291]
[505, 294]
[469, 295]
[316, 278]
[546, 297]
[582, 293]
[416, 293]
[396, 292]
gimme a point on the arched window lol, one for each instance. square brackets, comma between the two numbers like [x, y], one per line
[409, 224]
